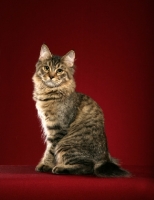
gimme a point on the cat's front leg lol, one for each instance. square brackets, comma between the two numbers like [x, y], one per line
[43, 167]
[47, 163]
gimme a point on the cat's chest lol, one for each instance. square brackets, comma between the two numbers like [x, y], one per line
[53, 112]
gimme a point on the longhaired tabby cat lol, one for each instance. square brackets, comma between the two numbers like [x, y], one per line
[73, 123]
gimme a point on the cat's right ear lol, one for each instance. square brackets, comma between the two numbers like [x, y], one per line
[45, 53]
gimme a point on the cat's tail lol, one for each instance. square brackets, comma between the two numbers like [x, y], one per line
[110, 168]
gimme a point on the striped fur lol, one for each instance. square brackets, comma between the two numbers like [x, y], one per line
[73, 123]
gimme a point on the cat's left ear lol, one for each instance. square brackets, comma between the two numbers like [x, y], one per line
[69, 58]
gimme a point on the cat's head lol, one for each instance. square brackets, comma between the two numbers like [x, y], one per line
[54, 71]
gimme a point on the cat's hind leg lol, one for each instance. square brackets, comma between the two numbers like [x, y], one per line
[72, 164]
[72, 169]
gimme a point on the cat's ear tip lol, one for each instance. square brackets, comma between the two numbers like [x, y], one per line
[44, 45]
[72, 51]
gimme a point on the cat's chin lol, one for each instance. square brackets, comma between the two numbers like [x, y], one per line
[52, 84]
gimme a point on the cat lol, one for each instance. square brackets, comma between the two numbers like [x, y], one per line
[72, 122]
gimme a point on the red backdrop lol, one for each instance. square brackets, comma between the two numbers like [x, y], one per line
[113, 41]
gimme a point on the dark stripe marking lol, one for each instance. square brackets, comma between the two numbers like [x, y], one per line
[51, 153]
[55, 127]
[55, 60]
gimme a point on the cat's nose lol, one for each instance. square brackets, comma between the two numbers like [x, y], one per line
[51, 76]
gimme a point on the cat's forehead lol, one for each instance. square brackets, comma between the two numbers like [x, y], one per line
[53, 61]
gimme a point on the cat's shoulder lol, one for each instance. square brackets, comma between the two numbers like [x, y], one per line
[88, 104]
[85, 98]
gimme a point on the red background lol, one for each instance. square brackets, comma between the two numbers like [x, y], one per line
[113, 41]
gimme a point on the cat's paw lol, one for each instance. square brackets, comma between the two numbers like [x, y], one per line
[43, 168]
[59, 169]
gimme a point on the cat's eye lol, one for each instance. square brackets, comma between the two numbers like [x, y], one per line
[46, 68]
[59, 70]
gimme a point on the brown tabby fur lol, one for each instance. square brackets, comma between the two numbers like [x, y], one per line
[73, 123]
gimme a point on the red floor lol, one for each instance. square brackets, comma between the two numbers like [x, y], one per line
[22, 182]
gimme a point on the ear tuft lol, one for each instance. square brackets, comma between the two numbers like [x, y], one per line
[45, 53]
[69, 58]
